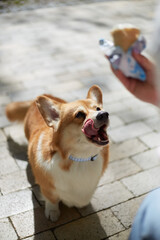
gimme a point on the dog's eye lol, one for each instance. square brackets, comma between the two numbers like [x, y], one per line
[80, 115]
[98, 109]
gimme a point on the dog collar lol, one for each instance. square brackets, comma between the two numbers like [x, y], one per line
[83, 159]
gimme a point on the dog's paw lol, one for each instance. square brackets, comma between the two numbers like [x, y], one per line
[53, 215]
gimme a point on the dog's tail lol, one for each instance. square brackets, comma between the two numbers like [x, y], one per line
[16, 111]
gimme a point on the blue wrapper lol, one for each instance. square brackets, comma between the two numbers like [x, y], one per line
[124, 61]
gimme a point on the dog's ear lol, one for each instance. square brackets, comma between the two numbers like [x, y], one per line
[95, 94]
[49, 110]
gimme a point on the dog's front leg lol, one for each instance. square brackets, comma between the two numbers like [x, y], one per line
[52, 211]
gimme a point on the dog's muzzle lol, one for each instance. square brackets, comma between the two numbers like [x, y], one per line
[95, 130]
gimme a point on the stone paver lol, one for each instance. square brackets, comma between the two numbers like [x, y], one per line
[7, 231]
[115, 107]
[115, 121]
[34, 221]
[17, 202]
[153, 123]
[117, 96]
[2, 137]
[129, 131]
[96, 226]
[55, 50]
[133, 103]
[117, 170]
[8, 165]
[121, 236]
[126, 149]
[126, 211]
[42, 236]
[143, 182]
[148, 159]
[4, 100]
[136, 115]
[22, 164]
[4, 121]
[15, 181]
[151, 139]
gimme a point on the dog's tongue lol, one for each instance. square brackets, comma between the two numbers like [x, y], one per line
[88, 129]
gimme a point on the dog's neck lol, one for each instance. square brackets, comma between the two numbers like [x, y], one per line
[84, 154]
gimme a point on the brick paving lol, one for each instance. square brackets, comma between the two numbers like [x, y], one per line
[55, 50]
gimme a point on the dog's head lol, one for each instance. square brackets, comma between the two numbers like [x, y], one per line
[80, 124]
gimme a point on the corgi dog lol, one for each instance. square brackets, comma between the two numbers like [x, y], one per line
[68, 146]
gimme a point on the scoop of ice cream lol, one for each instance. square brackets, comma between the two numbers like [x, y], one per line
[124, 35]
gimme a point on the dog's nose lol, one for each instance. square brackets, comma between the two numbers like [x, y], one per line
[102, 116]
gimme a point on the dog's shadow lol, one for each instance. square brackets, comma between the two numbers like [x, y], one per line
[43, 228]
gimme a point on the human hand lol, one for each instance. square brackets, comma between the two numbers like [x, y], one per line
[145, 91]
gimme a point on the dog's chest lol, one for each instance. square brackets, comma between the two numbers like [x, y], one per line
[76, 186]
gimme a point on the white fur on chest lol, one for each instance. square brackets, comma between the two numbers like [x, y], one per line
[76, 186]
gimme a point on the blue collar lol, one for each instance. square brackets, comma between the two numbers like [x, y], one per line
[83, 159]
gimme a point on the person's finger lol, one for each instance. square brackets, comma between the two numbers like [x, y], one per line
[145, 63]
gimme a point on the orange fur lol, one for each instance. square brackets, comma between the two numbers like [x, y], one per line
[105, 155]
[16, 111]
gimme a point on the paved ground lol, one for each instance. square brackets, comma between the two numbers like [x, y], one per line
[55, 50]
